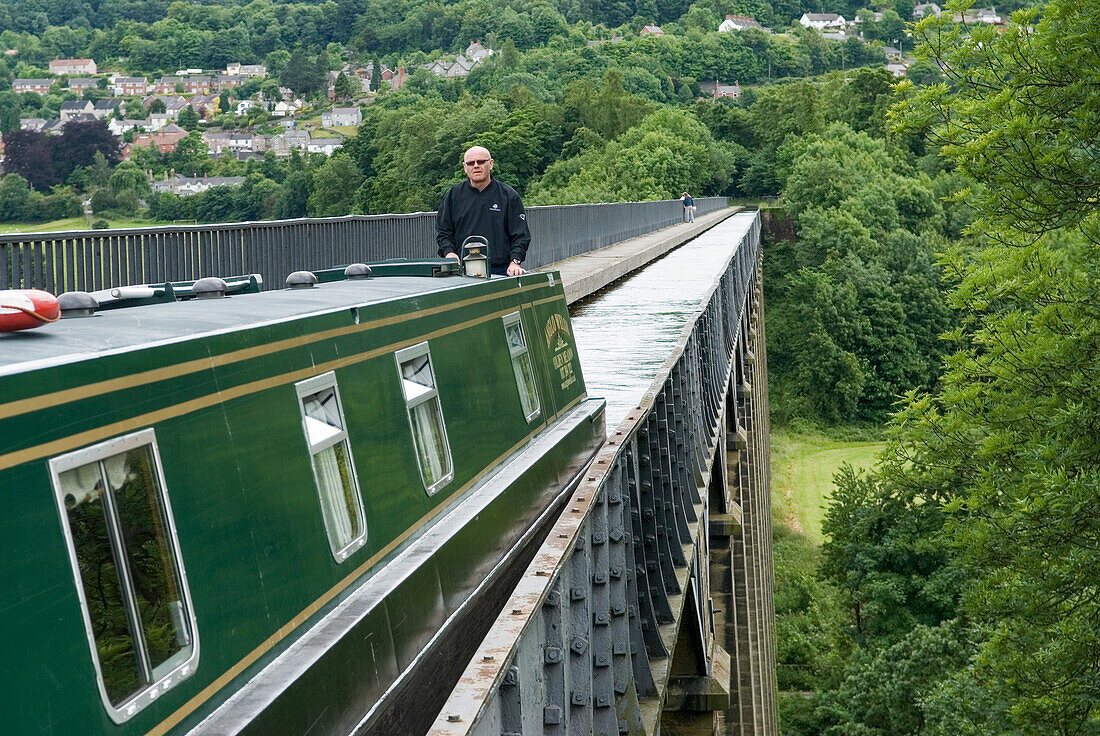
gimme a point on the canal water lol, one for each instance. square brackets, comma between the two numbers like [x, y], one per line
[626, 331]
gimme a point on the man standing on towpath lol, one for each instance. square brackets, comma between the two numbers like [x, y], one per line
[483, 206]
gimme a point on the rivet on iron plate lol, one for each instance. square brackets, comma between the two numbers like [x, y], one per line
[454, 718]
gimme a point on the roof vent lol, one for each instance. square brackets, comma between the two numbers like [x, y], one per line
[301, 280]
[357, 271]
[210, 287]
[77, 304]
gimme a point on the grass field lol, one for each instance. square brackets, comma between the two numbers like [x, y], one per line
[803, 465]
[72, 223]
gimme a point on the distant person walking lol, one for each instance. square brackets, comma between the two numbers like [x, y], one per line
[689, 207]
[484, 206]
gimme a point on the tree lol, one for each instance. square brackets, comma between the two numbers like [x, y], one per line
[303, 74]
[188, 119]
[345, 88]
[14, 198]
[1007, 444]
[1043, 74]
[28, 154]
[78, 145]
[334, 186]
[157, 106]
[376, 76]
[128, 177]
[9, 112]
[134, 110]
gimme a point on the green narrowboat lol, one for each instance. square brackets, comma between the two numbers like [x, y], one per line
[281, 512]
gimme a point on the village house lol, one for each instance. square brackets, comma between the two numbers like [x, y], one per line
[234, 140]
[284, 107]
[739, 23]
[897, 69]
[119, 126]
[732, 91]
[600, 42]
[130, 86]
[246, 70]
[475, 52]
[923, 10]
[821, 21]
[106, 106]
[460, 67]
[717, 89]
[164, 140]
[205, 105]
[73, 108]
[341, 116]
[199, 85]
[39, 86]
[61, 67]
[172, 103]
[167, 85]
[217, 143]
[185, 186]
[35, 124]
[651, 30]
[229, 81]
[79, 84]
[324, 145]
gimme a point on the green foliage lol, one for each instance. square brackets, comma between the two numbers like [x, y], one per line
[334, 185]
[188, 119]
[15, 197]
[856, 305]
[810, 621]
[1031, 83]
[667, 153]
[984, 509]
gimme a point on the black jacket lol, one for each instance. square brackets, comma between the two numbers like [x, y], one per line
[496, 213]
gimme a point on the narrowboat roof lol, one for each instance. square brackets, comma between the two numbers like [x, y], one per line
[121, 329]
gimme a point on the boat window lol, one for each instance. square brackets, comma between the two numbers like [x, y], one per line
[130, 579]
[333, 469]
[433, 452]
[521, 366]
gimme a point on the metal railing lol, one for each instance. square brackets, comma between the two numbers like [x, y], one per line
[620, 589]
[98, 259]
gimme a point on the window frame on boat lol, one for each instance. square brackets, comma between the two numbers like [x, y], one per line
[424, 394]
[95, 459]
[306, 389]
[522, 353]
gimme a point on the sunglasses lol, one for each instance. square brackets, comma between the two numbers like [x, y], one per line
[478, 162]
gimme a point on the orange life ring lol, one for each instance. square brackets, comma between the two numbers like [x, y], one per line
[25, 309]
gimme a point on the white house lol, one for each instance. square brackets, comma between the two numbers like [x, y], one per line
[324, 145]
[738, 23]
[118, 126]
[923, 10]
[186, 185]
[821, 21]
[73, 66]
[476, 52]
[73, 108]
[284, 108]
[341, 116]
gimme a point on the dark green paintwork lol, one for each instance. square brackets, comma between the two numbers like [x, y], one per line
[241, 488]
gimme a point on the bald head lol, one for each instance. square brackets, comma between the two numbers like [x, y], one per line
[478, 164]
